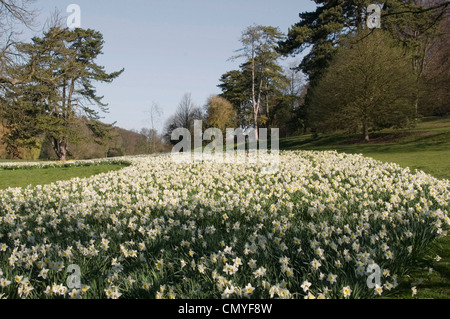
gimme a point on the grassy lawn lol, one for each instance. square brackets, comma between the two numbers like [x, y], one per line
[42, 176]
[427, 150]
[425, 147]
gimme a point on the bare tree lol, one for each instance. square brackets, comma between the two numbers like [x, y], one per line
[154, 114]
[184, 117]
[12, 14]
[436, 74]
[12, 11]
[297, 82]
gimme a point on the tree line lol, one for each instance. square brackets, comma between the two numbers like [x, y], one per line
[49, 106]
[351, 78]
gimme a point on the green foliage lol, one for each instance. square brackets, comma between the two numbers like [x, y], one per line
[368, 86]
[236, 88]
[55, 87]
[322, 30]
[220, 113]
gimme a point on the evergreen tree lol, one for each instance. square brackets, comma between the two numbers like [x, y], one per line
[321, 30]
[62, 70]
[411, 23]
[236, 88]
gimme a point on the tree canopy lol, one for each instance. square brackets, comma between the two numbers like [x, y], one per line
[321, 30]
[55, 86]
[369, 85]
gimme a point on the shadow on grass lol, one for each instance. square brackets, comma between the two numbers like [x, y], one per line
[340, 143]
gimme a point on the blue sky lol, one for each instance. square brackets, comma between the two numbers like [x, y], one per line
[170, 47]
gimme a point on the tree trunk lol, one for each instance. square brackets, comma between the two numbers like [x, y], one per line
[416, 105]
[255, 119]
[60, 148]
[366, 133]
[254, 102]
[62, 151]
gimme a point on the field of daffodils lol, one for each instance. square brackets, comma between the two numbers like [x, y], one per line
[319, 227]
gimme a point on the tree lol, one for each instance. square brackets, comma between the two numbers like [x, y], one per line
[237, 89]
[154, 114]
[153, 142]
[413, 23]
[58, 81]
[369, 85]
[12, 13]
[259, 43]
[321, 30]
[220, 113]
[417, 27]
[288, 113]
[434, 68]
[184, 117]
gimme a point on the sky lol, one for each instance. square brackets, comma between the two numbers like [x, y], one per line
[169, 48]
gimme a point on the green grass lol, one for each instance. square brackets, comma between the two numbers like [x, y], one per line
[432, 278]
[425, 147]
[42, 176]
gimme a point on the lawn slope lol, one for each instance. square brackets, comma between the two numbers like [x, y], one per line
[425, 147]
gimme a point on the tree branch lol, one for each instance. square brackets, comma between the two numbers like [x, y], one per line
[442, 5]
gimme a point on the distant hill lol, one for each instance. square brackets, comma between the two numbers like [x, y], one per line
[124, 142]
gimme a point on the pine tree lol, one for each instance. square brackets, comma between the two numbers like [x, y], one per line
[236, 88]
[259, 51]
[322, 30]
[62, 71]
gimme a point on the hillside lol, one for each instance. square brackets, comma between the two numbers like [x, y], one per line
[425, 147]
[123, 142]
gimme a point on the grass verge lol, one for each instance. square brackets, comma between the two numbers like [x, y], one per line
[47, 175]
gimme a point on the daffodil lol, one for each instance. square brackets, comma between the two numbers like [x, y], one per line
[315, 264]
[346, 291]
[4, 282]
[248, 290]
[306, 285]
[146, 286]
[331, 278]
